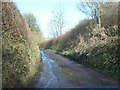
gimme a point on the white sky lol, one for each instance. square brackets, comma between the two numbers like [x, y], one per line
[42, 10]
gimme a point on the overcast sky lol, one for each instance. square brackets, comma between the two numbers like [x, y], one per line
[42, 11]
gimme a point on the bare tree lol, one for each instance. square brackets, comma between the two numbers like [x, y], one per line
[57, 22]
[95, 9]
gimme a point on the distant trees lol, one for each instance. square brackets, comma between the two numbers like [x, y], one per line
[33, 25]
[57, 22]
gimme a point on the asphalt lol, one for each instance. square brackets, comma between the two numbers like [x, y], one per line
[60, 72]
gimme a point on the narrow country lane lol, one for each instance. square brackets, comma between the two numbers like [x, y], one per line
[60, 72]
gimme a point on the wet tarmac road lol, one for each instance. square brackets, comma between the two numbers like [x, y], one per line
[60, 72]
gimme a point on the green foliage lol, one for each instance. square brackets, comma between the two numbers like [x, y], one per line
[105, 59]
[31, 20]
[70, 53]
[20, 52]
[34, 27]
[17, 60]
[51, 50]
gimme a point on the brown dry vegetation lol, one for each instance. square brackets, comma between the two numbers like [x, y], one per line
[90, 45]
[20, 53]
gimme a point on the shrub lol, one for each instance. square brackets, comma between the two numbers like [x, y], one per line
[104, 58]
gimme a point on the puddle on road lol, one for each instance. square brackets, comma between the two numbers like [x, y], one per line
[48, 78]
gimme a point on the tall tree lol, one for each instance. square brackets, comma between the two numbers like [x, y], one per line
[31, 20]
[33, 25]
[95, 9]
[57, 22]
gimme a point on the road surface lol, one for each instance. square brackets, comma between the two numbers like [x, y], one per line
[60, 72]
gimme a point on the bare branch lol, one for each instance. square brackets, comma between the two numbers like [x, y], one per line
[57, 22]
